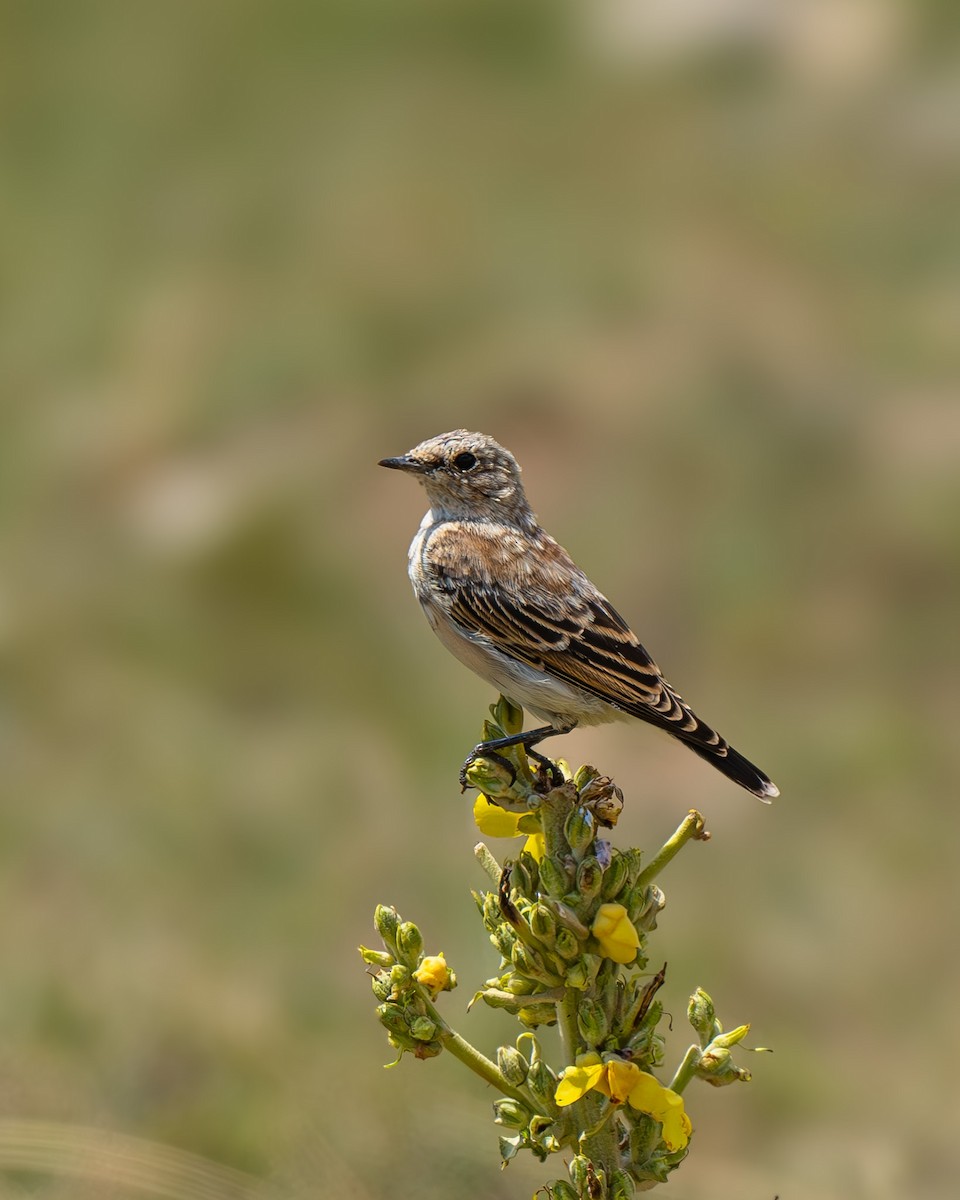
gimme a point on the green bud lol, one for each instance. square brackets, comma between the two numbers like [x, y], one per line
[495, 998]
[589, 878]
[387, 921]
[561, 1190]
[579, 830]
[621, 1186]
[518, 985]
[615, 877]
[490, 777]
[376, 958]
[538, 1014]
[644, 1137]
[409, 944]
[424, 1050]
[554, 879]
[523, 878]
[508, 716]
[423, 1029]
[584, 775]
[579, 1169]
[399, 978]
[581, 973]
[717, 1067]
[381, 985]
[645, 905]
[504, 939]
[513, 1066]
[542, 1083]
[592, 1021]
[510, 1113]
[543, 924]
[726, 1040]
[528, 962]
[566, 944]
[702, 1016]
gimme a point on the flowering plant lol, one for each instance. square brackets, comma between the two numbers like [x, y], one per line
[570, 918]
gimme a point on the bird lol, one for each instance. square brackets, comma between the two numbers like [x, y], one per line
[510, 603]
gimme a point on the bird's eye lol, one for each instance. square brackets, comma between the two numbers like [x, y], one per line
[465, 461]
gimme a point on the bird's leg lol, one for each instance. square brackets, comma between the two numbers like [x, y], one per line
[528, 739]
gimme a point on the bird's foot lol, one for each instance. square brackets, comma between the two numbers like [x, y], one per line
[481, 750]
[547, 767]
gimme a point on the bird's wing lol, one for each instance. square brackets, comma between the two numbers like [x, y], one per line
[553, 619]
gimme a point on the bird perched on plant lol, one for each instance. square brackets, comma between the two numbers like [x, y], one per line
[512, 605]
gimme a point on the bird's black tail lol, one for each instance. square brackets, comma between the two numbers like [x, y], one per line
[732, 763]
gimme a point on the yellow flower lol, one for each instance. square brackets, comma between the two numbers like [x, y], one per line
[495, 821]
[578, 1080]
[615, 1078]
[434, 974]
[614, 930]
[651, 1097]
[622, 1080]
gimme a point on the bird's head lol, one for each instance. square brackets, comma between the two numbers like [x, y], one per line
[467, 476]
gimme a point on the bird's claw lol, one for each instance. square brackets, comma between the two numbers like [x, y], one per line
[481, 751]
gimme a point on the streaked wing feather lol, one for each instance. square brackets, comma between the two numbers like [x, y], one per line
[589, 645]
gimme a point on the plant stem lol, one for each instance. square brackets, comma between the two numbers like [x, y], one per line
[569, 1029]
[690, 827]
[686, 1071]
[461, 1049]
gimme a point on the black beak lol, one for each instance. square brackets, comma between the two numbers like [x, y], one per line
[403, 463]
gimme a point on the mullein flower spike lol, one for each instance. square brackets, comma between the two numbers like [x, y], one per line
[570, 918]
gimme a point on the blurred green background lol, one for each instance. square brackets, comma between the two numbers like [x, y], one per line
[696, 264]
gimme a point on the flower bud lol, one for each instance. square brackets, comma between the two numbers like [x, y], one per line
[702, 1015]
[584, 776]
[593, 1022]
[392, 1016]
[554, 879]
[579, 1170]
[579, 829]
[517, 985]
[726, 1040]
[409, 944]
[491, 777]
[424, 1050]
[504, 939]
[621, 1186]
[376, 958]
[582, 972]
[423, 1029]
[543, 924]
[513, 1066]
[434, 974]
[589, 878]
[399, 978]
[524, 878]
[717, 1067]
[508, 716]
[566, 944]
[381, 985]
[387, 921]
[561, 1190]
[644, 1137]
[528, 962]
[615, 877]
[538, 1014]
[511, 1113]
[645, 906]
[542, 1083]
